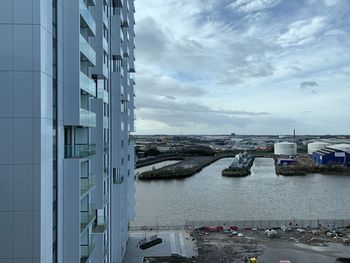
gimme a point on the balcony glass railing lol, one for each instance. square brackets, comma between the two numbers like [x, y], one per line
[87, 184]
[105, 44]
[87, 19]
[79, 150]
[125, 22]
[120, 13]
[105, 97]
[91, 2]
[118, 179]
[87, 118]
[100, 225]
[105, 198]
[103, 94]
[105, 18]
[87, 51]
[122, 72]
[106, 147]
[106, 248]
[87, 217]
[105, 70]
[87, 84]
[86, 251]
[132, 78]
[121, 36]
[105, 122]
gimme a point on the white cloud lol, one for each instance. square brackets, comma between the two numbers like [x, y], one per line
[203, 67]
[253, 5]
[304, 31]
[331, 2]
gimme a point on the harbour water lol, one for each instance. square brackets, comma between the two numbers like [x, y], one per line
[261, 196]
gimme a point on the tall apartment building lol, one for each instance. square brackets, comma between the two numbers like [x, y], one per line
[66, 114]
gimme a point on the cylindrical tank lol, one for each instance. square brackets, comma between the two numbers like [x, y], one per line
[285, 148]
[341, 147]
[314, 146]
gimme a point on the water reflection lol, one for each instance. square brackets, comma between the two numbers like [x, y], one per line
[262, 195]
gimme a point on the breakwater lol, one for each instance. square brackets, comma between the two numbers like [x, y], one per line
[186, 168]
[154, 160]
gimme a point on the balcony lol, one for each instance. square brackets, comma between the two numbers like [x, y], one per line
[106, 198]
[86, 19]
[86, 252]
[122, 73]
[87, 84]
[100, 225]
[106, 147]
[87, 184]
[125, 21]
[121, 36]
[87, 217]
[118, 179]
[79, 150]
[132, 78]
[87, 118]
[91, 2]
[103, 94]
[121, 15]
[106, 249]
[127, 6]
[105, 18]
[105, 70]
[132, 139]
[105, 122]
[87, 51]
[105, 44]
[126, 53]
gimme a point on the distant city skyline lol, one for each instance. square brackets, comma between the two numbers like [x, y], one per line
[244, 66]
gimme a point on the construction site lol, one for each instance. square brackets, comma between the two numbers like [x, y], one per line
[287, 244]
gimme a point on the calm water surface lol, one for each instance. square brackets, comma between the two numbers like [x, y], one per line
[262, 195]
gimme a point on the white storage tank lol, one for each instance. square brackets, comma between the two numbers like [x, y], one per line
[285, 148]
[314, 146]
[341, 147]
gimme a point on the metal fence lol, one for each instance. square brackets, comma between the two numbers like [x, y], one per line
[156, 228]
[263, 224]
[249, 224]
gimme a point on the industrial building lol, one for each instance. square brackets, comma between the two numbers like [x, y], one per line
[342, 147]
[285, 148]
[331, 156]
[314, 146]
[285, 161]
[66, 114]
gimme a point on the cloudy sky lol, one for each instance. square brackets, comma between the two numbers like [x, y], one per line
[244, 66]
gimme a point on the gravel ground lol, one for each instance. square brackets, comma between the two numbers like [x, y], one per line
[308, 247]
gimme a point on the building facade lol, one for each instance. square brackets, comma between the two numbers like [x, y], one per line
[331, 156]
[66, 115]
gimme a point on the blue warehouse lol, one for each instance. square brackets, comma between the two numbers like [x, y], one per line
[329, 156]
